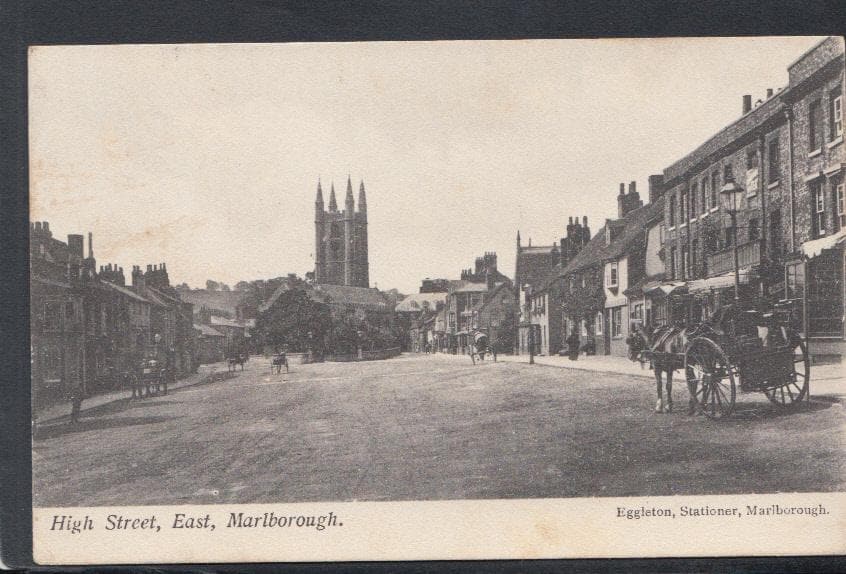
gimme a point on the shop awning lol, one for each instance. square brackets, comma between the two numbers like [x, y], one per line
[658, 288]
[718, 282]
[811, 249]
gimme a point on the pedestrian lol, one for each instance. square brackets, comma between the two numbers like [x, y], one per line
[76, 403]
[573, 345]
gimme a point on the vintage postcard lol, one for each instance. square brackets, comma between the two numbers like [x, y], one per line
[437, 300]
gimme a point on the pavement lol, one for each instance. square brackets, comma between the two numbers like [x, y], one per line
[429, 427]
[826, 379]
[61, 410]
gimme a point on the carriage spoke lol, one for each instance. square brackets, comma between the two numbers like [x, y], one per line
[721, 394]
[789, 392]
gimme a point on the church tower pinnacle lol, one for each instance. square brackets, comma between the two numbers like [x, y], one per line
[341, 239]
[362, 199]
[333, 205]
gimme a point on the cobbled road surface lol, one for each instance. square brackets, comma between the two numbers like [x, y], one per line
[426, 428]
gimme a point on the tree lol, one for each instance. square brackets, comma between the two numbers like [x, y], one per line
[212, 285]
[295, 322]
[224, 287]
[242, 286]
[506, 333]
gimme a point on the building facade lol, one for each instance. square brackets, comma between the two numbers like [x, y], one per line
[88, 328]
[786, 154]
[341, 239]
[465, 302]
[538, 291]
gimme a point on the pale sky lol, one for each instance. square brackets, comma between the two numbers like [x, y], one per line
[207, 156]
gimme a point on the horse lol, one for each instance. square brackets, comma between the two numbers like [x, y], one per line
[480, 347]
[233, 361]
[664, 349]
[276, 363]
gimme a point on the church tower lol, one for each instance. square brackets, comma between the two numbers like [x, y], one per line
[341, 256]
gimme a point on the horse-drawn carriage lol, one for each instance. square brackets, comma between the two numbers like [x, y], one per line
[233, 360]
[751, 349]
[277, 361]
[151, 378]
[480, 346]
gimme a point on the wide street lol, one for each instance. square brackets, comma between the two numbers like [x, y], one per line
[424, 428]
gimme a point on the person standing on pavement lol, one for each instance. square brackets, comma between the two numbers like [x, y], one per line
[573, 345]
[76, 403]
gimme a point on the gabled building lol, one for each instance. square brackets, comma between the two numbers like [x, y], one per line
[465, 302]
[539, 293]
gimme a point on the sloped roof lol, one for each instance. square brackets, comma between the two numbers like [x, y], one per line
[207, 331]
[470, 287]
[125, 291]
[491, 296]
[597, 251]
[221, 300]
[156, 298]
[416, 302]
[369, 297]
[224, 322]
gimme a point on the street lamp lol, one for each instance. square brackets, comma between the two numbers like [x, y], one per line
[156, 339]
[731, 194]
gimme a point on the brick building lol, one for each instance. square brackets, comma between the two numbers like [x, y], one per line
[785, 152]
[539, 295]
[88, 328]
[465, 302]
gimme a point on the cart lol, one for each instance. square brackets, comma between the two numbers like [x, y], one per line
[755, 351]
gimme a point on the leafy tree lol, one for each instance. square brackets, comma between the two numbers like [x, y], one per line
[295, 322]
[212, 285]
[224, 287]
[506, 333]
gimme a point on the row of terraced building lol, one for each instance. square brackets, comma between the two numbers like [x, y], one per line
[786, 153]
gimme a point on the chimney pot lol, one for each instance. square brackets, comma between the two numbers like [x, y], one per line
[622, 189]
[747, 103]
[633, 187]
[46, 226]
[769, 93]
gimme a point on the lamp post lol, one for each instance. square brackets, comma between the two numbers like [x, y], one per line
[157, 338]
[731, 194]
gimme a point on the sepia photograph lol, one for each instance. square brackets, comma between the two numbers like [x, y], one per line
[320, 275]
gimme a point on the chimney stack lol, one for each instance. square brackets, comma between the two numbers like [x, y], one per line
[747, 104]
[90, 245]
[622, 189]
[139, 282]
[75, 245]
[628, 203]
[769, 93]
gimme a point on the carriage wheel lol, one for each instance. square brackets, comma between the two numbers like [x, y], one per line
[796, 388]
[710, 378]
